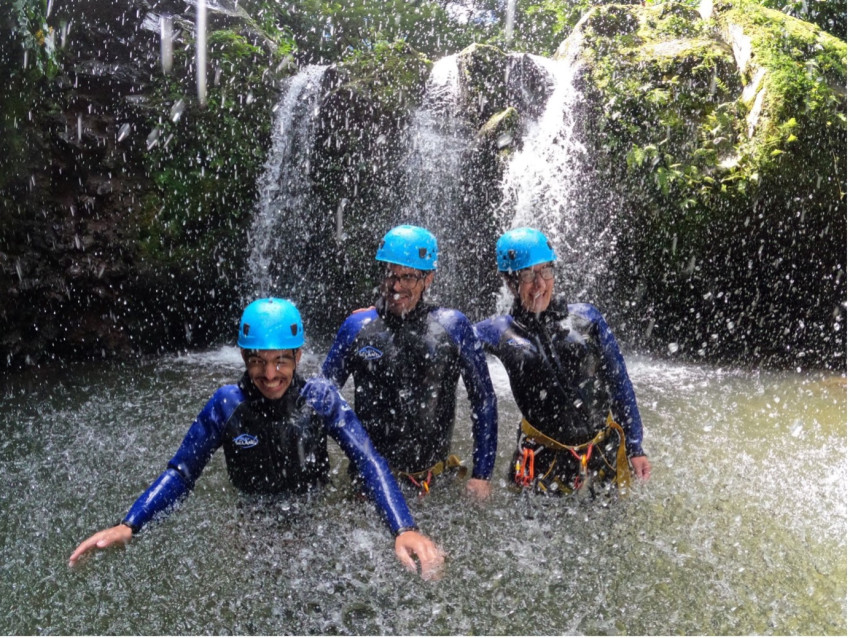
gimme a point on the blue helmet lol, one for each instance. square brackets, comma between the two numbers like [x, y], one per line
[523, 248]
[409, 246]
[271, 324]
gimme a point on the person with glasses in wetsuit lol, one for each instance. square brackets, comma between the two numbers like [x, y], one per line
[580, 422]
[273, 426]
[406, 356]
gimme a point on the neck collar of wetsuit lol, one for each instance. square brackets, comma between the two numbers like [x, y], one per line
[557, 311]
[417, 315]
[273, 407]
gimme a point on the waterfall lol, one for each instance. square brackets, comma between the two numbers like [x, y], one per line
[281, 220]
[437, 140]
[545, 186]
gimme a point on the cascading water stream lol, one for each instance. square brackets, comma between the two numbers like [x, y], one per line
[545, 185]
[437, 139]
[285, 187]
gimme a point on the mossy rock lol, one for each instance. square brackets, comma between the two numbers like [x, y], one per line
[482, 81]
[726, 140]
[610, 21]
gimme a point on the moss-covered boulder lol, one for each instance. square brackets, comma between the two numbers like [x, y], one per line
[723, 135]
[483, 71]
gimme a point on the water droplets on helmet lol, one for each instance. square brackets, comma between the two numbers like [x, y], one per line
[522, 248]
[271, 324]
[410, 246]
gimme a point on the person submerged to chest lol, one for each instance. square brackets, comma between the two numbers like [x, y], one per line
[275, 445]
[405, 372]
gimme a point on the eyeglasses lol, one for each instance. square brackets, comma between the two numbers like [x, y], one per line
[258, 363]
[407, 280]
[528, 275]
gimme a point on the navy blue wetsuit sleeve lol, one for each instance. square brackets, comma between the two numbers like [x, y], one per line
[343, 425]
[489, 333]
[335, 366]
[482, 398]
[625, 409]
[199, 444]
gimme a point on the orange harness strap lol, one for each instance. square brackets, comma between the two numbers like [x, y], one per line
[424, 485]
[524, 470]
[579, 480]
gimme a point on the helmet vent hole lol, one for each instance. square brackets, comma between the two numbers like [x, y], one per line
[294, 329]
[423, 252]
[511, 254]
[246, 329]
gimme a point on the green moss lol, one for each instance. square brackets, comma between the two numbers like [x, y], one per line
[482, 69]
[391, 75]
[204, 160]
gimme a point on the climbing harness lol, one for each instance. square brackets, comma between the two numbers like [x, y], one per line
[524, 471]
[424, 479]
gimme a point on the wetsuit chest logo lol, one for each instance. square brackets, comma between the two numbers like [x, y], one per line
[245, 441]
[518, 342]
[370, 353]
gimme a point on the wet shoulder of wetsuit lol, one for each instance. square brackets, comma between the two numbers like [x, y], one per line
[201, 441]
[476, 378]
[613, 370]
[343, 425]
[336, 365]
[490, 331]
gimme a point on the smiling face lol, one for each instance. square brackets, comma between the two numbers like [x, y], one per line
[403, 287]
[534, 287]
[271, 370]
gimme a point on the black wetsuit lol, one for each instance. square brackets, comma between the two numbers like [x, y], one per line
[566, 374]
[405, 380]
[274, 446]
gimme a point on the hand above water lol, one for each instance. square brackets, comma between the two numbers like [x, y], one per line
[642, 467]
[120, 534]
[411, 543]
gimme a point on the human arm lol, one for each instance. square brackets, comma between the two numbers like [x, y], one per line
[410, 544]
[489, 332]
[624, 404]
[482, 399]
[118, 535]
[343, 425]
[336, 364]
[641, 467]
[202, 439]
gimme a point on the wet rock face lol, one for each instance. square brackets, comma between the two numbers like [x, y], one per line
[104, 156]
[65, 249]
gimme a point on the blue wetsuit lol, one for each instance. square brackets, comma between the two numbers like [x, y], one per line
[566, 374]
[405, 381]
[274, 446]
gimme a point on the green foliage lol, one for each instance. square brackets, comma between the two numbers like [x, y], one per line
[29, 32]
[205, 160]
[391, 73]
[327, 31]
[29, 59]
[542, 26]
